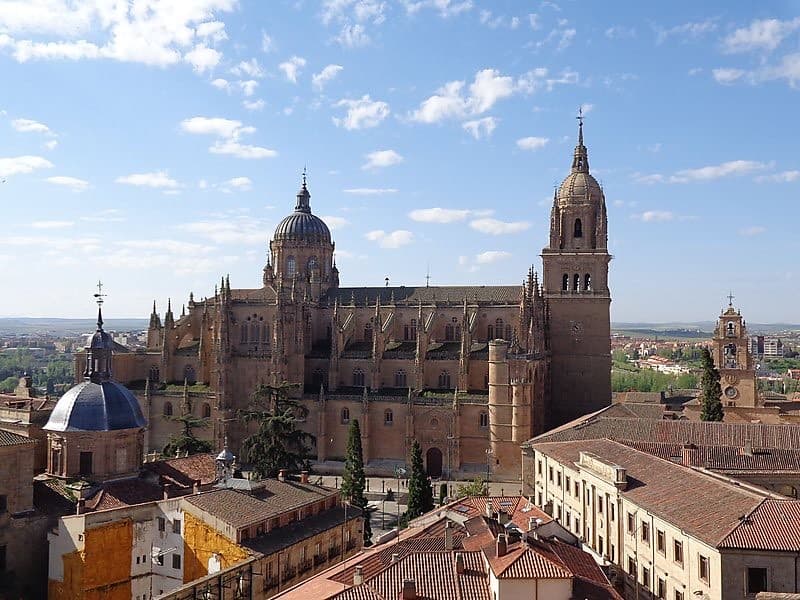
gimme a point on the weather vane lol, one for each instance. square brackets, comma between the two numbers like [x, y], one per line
[580, 115]
[100, 295]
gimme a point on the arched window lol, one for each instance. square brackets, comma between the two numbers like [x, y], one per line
[291, 266]
[400, 379]
[368, 332]
[410, 331]
[509, 335]
[265, 334]
[565, 283]
[731, 331]
[358, 378]
[578, 229]
[388, 417]
[189, 375]
[576, 286]
[345, 416]
[167, 408]
[255, 333]
[484, 419]
[154, 375]
[206, 410]
[587, 283]
[243, 333]
[444, 380]
[449, 333]
[458, 332]
[730, 356]
[498, 328]
[312, 264]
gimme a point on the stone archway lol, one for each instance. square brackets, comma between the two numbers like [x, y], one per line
[433, 462]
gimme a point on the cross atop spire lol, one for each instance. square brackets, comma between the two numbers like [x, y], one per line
[580, 118]
[99, 299]
[580, 159]
[730, 298]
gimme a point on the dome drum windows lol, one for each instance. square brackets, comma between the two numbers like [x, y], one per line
[291, 266]
[578, 230]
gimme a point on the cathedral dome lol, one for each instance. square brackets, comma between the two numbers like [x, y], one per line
[301, 225]
[579, 188]
[103, 406]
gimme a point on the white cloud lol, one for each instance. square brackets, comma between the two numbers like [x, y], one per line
[393, 239]
[370, 191]
[50, 144]
[491, 256]
[495, 227]
[532, 143]
[752, 230]
[202, 58]
[362, 113]
[617, 32]
[254, 104]
[733, 167]
[761, 34]
[248, 68]
[382, 158]
[30, 126]
[727, 76]
[155, 179]
[318, 80]
[241, 184]
[353, 36]
[335, 222]
[451, 101]
[52, 224]
[783, 177]
[439, 215]
[492, 21]
[229, 131]
[690, 30]
[445, 8]
[248, 87]
[19, 165]
[648, 178]
[75, 184]
[267, 44]
[229, 230]
[108, 215]
[480, 128]
[158, 33]
[221, 84]
[788, 69]
[655, 216]
[292, 67]
[234, 148]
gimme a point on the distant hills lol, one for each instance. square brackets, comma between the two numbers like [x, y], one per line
[697, 328]
[66, 327]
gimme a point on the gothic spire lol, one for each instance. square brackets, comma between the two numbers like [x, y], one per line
[580, 159]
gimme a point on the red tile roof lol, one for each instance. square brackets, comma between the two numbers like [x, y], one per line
[773, 525]
[183, 472]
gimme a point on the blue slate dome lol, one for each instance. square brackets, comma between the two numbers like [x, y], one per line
[103, 406]
[301, 225]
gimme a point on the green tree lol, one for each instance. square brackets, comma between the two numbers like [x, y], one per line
[420, 494]
[476, 487]
[185, 442]
[277, 442]
[710, 398]
[8, 384]
[354, 481]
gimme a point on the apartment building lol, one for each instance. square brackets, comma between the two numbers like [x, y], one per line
[670, 531]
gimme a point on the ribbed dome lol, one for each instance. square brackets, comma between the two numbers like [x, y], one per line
[303, 226]
[579, 188]
[104, 406]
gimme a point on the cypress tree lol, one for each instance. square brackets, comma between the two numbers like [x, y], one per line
[420, 494]
[712, 391]
[354, 480]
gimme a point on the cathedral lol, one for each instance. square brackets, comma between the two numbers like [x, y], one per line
[469, 371]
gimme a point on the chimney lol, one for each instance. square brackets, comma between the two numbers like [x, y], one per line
[502, 546]
[282, 475]
[395, 557]
[503, 517]
[303, 476]
[448, 535]
[489, 511]
[409, 590]
[533, 527]
[167, 488]
[689, 455]
[196, 486]
[460, 564]
[358, 576]
[81, 506]
[748, 448]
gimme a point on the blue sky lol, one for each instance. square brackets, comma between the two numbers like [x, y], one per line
[155, 145]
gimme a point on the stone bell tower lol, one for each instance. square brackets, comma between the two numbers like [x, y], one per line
[732, 358]
[576, 289]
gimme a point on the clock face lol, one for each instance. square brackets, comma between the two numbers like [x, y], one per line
[731, 392]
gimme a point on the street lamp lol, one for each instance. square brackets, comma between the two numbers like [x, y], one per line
[398, 471]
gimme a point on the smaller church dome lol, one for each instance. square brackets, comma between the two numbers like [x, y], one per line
[301, 225]
[104, 406]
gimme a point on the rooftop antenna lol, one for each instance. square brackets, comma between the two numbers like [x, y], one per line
[428, 276]
[386, 279]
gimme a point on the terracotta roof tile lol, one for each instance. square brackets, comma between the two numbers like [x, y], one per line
[8, 438]
[773, 525]
[184, 471]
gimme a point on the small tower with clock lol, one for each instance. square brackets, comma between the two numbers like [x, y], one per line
[578, 298]
[733, 359]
